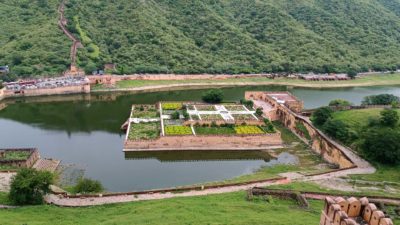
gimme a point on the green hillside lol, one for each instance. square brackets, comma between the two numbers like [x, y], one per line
[30, 40]
[213, 36]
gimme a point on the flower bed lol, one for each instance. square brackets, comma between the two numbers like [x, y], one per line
[178, 130]
[243, 117]
[144, 131]
[214, 130]
[234, 107]
[144, 111]
[248, 130]
[211, 117]
[205, 107]
[171, 105]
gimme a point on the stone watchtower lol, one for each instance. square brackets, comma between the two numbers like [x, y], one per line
[352, 211]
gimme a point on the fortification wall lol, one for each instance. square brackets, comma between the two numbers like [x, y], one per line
[235, 142]
[319, 142]
[112, 79]
[48, 91]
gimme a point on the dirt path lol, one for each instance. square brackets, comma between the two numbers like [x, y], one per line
[62, 22]
[90, 201]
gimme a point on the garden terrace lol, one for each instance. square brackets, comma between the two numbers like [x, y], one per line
[144, 111]
[18, 158]
[197, 126]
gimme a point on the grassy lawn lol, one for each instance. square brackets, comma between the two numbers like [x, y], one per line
[230, 208]
[16, 155]
[373, 80]
[383, 173]
[214, 130]
[358, 118]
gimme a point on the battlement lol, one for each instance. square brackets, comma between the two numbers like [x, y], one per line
[352, 211]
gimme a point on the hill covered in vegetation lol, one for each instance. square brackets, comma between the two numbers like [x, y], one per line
[30, 40]
[213, 36]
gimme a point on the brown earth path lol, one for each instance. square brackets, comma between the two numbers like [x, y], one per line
[62, 22]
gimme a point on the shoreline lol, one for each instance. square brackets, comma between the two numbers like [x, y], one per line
[171, 87]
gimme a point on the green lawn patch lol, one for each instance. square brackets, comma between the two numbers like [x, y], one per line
[144, 131]
[16, 155]
[229, 208]
[144, 111]
[246, 129]
[214, 130]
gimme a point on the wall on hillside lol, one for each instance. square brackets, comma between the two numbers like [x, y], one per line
[320, 143]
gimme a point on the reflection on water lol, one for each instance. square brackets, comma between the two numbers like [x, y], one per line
[83, 130]
[173, 156]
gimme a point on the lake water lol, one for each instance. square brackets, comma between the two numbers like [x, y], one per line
[83, 131]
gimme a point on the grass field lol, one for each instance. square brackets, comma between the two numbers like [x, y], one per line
[231, 208]
[372, 80]
[357, 119]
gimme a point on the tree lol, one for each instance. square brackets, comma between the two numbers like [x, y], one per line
[352, 74]
[339, 103]
[382, 99]
[389, 117]
[259, 111]
[213, 96]
[86, 186]
[321, 115]
[175, 115]
[29, 186]
[337, 129]
[382, 145]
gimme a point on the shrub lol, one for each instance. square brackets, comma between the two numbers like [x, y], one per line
[339, 103]
[213, 96]
[389, 117]
[29, 186]
[321, 115]
[87, 186]
[175, 115]
[259, 111]
[338, 130]
[382, 145]
[382, 99]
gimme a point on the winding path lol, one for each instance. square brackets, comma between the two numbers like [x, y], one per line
[62, 22]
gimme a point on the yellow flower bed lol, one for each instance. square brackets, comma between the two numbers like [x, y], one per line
[248, 130]
[178, 130]
[171, 105]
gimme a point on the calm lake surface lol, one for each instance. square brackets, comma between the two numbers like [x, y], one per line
[83, 132]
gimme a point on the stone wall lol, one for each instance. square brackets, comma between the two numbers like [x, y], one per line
[233, 142]
[112, 79]
[319, 142]
[49, 91]
[33, 157]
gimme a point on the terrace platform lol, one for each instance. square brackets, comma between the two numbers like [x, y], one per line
[184, 126]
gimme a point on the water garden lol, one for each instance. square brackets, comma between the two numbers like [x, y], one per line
[84, 132]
